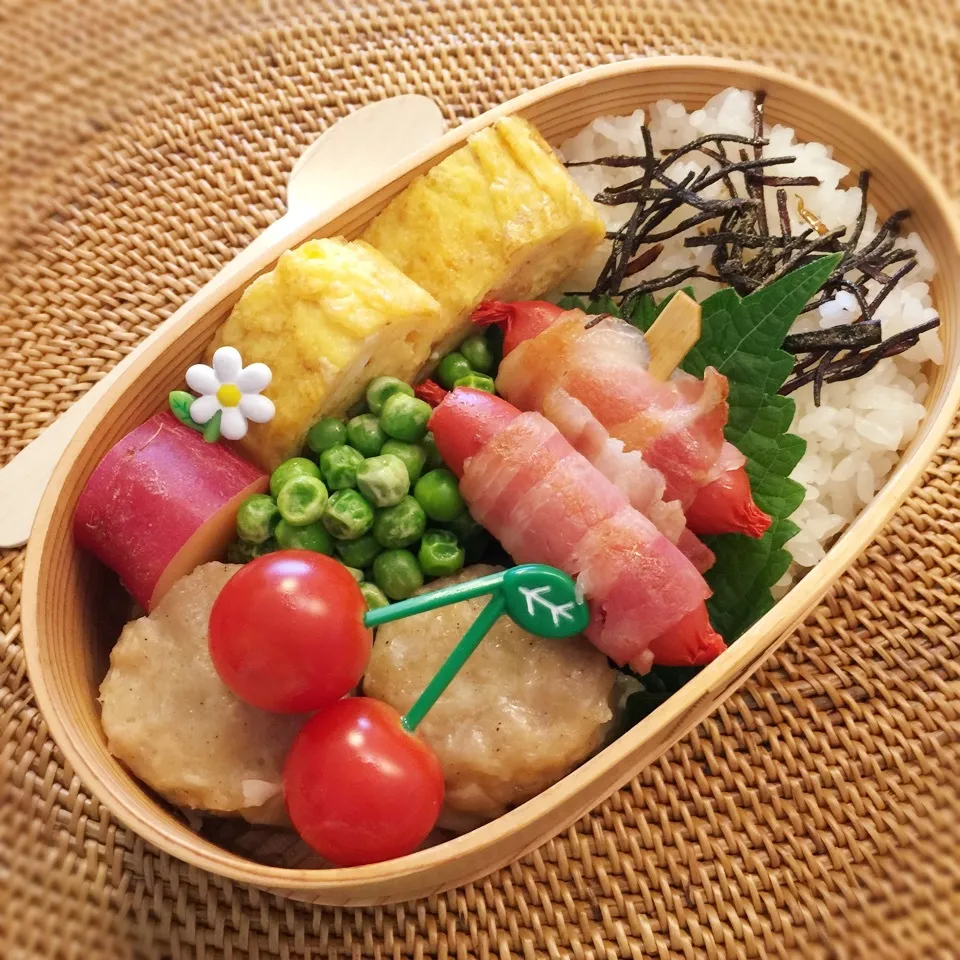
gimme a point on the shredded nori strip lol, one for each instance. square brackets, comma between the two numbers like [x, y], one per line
[595, 319]
[634, 294]
[784, 214]
[790, 181]
[752, 181]
[747, 255]
[620, 160]
[831, 368]
[845, 336]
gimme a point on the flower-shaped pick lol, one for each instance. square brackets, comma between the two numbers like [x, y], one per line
[229, 396]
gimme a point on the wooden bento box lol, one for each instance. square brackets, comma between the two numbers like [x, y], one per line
[73, 608]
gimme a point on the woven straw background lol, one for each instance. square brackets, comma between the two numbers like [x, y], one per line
[816, 814]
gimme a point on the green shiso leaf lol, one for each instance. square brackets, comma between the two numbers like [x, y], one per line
[657, 686]
[603, 304]
[742, 337]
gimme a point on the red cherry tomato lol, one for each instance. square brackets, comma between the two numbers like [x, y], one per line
[287, 634]
[359, 788]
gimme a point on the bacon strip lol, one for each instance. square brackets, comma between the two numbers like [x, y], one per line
[643, 485]
[676, 425]
[546, 503]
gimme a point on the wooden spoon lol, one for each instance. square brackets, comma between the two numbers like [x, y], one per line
[355, 150]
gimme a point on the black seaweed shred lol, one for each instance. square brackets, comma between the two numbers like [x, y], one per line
[831, 368]
[846, 336]
[595, 319]
[747, 255]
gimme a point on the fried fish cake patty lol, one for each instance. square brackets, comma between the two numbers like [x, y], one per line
[519, 716]
[169, 718]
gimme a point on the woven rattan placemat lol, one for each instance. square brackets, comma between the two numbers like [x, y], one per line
[816, 814]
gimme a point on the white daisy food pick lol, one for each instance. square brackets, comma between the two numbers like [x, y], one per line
[230, 396]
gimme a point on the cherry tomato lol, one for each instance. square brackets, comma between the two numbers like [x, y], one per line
[359, 788]
[287, 634]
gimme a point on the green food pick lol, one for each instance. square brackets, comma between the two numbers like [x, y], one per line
[536, 597]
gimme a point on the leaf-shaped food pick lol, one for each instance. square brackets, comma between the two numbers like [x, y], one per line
[180, 402]
[536, 597]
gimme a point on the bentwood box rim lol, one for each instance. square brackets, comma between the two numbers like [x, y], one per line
[55, 661]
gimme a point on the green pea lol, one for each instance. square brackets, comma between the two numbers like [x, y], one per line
[434, 459]
[471, 536]
[268, 546]
[295, 467]
[328, 433]
[339, 467]
[355, 573]
[382, 388]
[397, 574]
[439, 495]
[374, 596]
[400, 525]
[413, 456]
[405, 418]
[313, 537]
[451, 368]
[241, 552]
[365, 434]
[479, 381]
[383, 480]
[257, 518]
[301, 500]
[478, 353]
[360, 552]
[347, 516]
[440, 553]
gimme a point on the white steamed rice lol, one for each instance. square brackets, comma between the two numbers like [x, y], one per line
[855, 436]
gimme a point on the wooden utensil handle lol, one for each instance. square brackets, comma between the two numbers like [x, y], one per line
[24, 479]
[409, 122]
